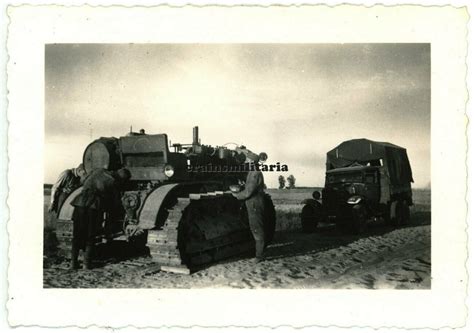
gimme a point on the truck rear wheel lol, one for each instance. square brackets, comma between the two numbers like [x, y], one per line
[400, 213]
[405, 212]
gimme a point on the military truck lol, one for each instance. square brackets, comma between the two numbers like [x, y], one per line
[178, 201]
[365, 180]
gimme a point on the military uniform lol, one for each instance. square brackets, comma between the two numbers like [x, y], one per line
[254, 197]
[100, 193]
[67, 182]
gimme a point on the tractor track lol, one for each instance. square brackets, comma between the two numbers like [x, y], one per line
[205, 240]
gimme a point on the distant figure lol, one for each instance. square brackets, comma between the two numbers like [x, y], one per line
[142, 132]
[254, 197]
[100, 194]
[68, 181]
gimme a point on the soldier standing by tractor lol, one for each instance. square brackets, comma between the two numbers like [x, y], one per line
[67, 182]
[254, 197]
[100, 194]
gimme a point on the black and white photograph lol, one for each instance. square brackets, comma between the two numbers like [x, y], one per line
[237, 166]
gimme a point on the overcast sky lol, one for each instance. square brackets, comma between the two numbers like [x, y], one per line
[293, 101]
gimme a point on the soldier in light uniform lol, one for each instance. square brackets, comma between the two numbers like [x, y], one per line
[68, 181]
[254, 197]
[100, 193]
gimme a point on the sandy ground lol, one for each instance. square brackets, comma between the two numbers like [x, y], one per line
[383, 257]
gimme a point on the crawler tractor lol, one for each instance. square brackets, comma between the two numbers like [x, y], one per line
[177, 202]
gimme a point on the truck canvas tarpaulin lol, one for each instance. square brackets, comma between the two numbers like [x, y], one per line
[367, 152]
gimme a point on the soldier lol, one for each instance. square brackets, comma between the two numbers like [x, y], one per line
[67, 182]
[100, 193]
[254, 198]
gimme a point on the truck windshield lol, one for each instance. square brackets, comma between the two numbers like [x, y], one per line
[345, 177]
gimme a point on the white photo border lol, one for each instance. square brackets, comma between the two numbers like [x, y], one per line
[32, 27]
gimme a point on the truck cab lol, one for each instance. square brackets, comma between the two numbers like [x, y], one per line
[345, 187]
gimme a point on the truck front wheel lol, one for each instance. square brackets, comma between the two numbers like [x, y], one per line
[309, 218]
[359, 218]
